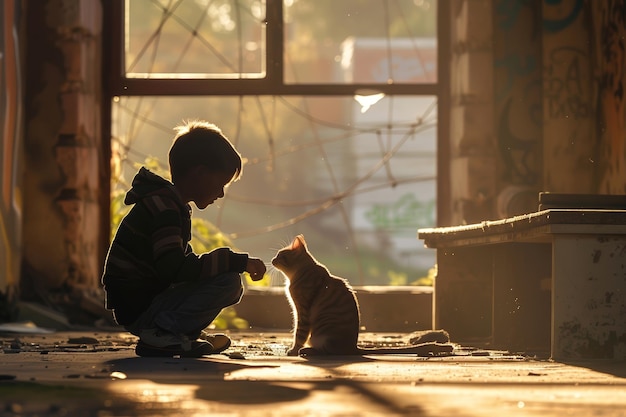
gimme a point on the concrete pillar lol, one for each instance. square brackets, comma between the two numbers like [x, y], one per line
[609, 60]
[11, 167]
[518, 105]
[62, 219]
[568, 98]
[472, 146]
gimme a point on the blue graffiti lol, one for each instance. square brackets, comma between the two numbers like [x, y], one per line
[515, 67]
[507, 12]
[557, 25]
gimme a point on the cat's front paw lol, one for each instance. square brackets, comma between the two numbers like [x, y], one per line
[308, 351]
[293, 351]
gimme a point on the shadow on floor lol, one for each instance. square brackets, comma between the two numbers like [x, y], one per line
[609, 367]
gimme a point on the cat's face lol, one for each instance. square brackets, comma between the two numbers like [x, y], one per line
[287, 259]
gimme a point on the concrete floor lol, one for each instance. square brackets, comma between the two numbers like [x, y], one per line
[96, 373]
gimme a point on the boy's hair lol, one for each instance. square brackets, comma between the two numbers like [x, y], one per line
[202, 143]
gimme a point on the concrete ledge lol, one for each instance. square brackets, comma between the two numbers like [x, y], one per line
[383, 308]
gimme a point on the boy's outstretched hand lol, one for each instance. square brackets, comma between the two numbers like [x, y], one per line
[256, 269]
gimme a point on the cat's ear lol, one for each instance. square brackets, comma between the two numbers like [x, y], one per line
[298, 242]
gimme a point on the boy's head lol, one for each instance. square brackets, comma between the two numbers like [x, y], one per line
[203, 162]
[200, 143]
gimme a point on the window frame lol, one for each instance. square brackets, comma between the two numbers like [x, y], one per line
[272, 84]
[116, 84]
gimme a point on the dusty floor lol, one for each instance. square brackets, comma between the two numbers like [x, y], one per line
[96, 373]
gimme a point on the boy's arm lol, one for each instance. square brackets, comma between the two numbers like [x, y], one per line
[176, 263]
[222, 260]
[176, 266]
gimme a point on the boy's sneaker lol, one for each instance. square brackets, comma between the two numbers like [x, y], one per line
[160, 338]
[158, 343]
[220, 341]
[196, 349]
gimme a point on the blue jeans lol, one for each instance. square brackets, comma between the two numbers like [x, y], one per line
[189, 307]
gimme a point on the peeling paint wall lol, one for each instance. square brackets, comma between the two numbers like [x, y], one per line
[61, 253]
[609, 44]
[590, 297]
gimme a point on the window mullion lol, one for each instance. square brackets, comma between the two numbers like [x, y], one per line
[208, 87]
[275, 37]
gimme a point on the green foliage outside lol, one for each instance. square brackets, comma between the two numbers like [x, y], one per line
[379, 269]
[401, 278]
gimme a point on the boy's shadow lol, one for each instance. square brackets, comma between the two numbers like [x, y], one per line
[178, 370]
[207, 375]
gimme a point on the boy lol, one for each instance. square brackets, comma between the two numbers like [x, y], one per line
[157, 287]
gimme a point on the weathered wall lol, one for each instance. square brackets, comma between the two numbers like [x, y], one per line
[61, 253]
[517, 101]
[472, 138]
[609, 61]
[568, 104]
[537, 103]
[10, 151]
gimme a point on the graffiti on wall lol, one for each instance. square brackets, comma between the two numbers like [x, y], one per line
[564, 91]
[518, 91]
[568, 96]
[10, 204]
[571, 9]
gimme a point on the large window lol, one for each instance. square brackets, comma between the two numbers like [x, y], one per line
[332, 103]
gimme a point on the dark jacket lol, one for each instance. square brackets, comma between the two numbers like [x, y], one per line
[151, 250]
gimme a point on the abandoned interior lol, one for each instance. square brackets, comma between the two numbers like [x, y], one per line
[464, 114]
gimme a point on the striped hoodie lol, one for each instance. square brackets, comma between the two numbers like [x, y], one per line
[151, 250]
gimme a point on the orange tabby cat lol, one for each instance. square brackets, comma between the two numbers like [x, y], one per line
[326, 310]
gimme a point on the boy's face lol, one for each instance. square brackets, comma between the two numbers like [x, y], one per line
[208, 186]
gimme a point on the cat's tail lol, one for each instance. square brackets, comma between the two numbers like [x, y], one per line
[422, 349]
[426, 336]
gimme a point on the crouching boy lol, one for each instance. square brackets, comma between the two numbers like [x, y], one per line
[157, 287]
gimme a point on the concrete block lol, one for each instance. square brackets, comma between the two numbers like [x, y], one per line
[383, 309]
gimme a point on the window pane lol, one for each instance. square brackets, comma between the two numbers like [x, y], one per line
[357, 179]
[195, 39]
[360, 41]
